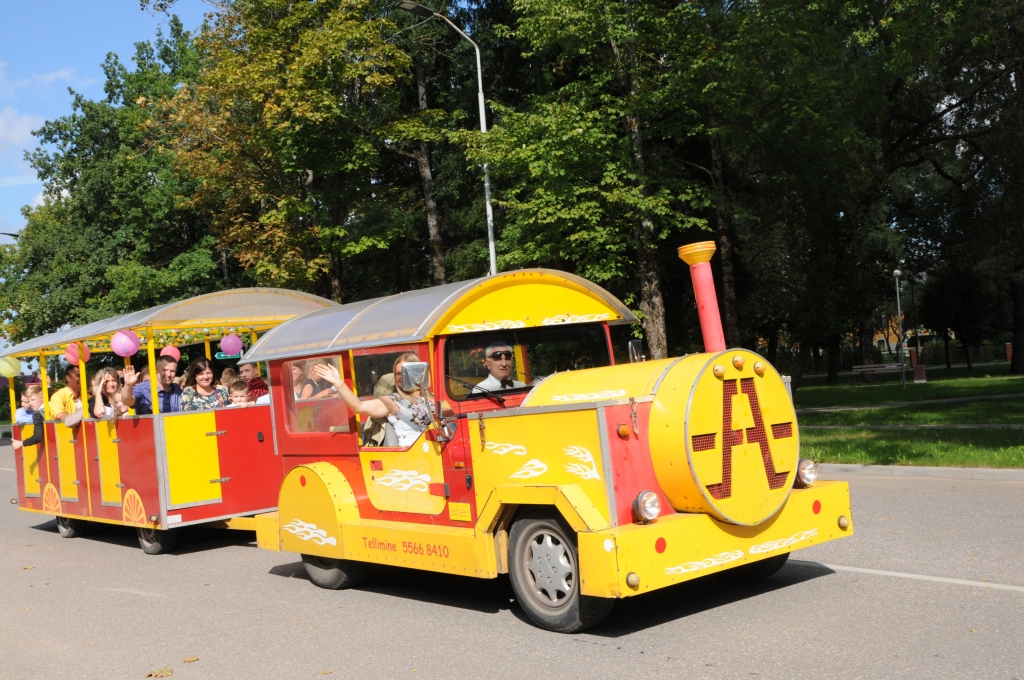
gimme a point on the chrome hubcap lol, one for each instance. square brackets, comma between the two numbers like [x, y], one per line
[550, 567]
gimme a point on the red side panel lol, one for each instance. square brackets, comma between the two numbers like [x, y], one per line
[19, 471]
[316, 444]
[631, 460]
[253, 470]
[137, 456]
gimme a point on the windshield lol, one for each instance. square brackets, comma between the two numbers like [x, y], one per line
[513, 361]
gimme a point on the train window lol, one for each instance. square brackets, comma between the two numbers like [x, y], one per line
[312, 404]
[374, 369]
[514, 360]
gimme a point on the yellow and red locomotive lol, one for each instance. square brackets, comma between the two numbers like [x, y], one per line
[585, 481]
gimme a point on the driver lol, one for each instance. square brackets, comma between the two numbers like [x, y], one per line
[498, 357]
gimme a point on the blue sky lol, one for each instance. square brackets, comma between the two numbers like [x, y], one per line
[47, 46]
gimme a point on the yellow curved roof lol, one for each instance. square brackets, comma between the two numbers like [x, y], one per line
[517, 299]
[256, 308]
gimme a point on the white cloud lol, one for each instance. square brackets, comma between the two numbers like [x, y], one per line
[16, 128]
[38, 200]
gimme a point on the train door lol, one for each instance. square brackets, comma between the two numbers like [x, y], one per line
[411, 479]
[67, 470]
[191, 460]
[109, 462]
[30, 461]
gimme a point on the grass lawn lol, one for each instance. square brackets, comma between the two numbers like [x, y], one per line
[974, 412]
[956, 448]
[942, 384]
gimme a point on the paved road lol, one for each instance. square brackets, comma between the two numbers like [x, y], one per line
[97, 607]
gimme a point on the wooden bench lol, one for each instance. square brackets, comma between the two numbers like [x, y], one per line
[872, 369]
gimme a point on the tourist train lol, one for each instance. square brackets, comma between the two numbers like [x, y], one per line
[475, 428]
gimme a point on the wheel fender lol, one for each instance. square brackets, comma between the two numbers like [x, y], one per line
[314, 500]
[569, 499]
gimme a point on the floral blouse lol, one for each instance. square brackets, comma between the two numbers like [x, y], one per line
[412, 412]
[191, 400]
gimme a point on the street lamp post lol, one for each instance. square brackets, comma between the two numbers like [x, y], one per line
[899, 319]
[427, 13]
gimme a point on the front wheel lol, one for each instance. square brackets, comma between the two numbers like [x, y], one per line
[157, 541]
[71, 528]
[544, 571]
[334, 574]
[756, 571]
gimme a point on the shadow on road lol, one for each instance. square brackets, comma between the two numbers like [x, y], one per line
[190, 539]
[631, 615]
[480, 595]
[635, 614]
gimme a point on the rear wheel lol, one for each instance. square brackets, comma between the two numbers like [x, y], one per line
[334, 574]
[756, 571]
[544, 571]
[71, 528]
[157, 541]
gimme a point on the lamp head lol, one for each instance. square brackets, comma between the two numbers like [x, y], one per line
[418, 10]
[896, 273]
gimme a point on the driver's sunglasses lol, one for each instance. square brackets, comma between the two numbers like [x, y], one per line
[498, 356]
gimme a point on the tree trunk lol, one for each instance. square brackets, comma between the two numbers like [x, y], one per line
[834, 358]
[423, 157]
[945, 344]
[730, 318]
[773, 347]
[800, 366]
[652, 304]
[335, 276]
[816, 355]
[1017, 361]
[967, 355]
[866, 335]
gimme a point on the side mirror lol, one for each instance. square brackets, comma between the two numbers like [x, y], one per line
[415, 374]
[636, 351]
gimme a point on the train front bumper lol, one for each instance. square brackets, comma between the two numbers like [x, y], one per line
[681, 547]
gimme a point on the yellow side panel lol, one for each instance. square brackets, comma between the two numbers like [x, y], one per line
[192, 460]
[30, 463]
[268, 534]
[450, 550]
[403, 481]
[66, 462]
[110, 465]
[681, 547]
[547, 449]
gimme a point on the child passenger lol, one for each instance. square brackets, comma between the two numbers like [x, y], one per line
[238, 393]
[35, 400]
[228, 377]
[23, 416]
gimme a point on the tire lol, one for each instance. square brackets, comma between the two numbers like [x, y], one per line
[756, 571]
[71, 528]
[543, 566]
[157, 541]
[334, 574]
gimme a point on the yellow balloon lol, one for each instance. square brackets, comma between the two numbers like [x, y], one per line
[10, 367]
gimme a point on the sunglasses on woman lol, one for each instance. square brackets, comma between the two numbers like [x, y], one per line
[498, 356]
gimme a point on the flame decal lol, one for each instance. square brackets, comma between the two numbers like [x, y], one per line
[405, 480]
[532, 468]
[309, 532]
[590, 396]
[502, 449]
[486, 326]
[567, 318]
[783, 542]
[720, 558]
[587, 468]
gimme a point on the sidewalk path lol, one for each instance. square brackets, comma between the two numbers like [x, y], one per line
[945, 426]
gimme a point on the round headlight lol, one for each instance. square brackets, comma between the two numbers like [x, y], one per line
[806, 473]
[647, 506]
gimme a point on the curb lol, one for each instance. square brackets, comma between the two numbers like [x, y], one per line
[995, 474]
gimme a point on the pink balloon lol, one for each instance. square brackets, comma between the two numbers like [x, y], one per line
[231, 344]
[172, 352]
[125, 343]
[71, 353]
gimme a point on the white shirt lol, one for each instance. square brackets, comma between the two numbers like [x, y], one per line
[492, 384]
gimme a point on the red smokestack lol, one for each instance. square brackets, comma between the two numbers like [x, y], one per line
[698, 256]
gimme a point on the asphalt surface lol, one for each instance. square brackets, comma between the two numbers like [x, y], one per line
[97, 607]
